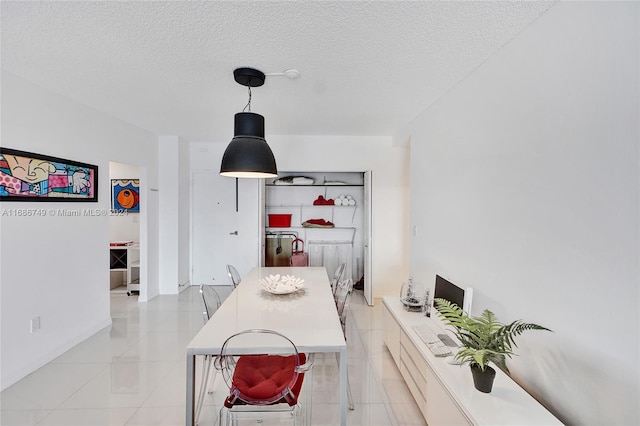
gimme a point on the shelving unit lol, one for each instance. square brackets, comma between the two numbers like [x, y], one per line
[126, 258]
[305, 211]
[344, 240]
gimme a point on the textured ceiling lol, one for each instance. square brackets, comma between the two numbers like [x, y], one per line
[367, 68]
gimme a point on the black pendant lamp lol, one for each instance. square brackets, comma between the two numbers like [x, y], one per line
[248, 155]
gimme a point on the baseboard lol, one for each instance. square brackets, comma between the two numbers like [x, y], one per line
[45, 358]
[182, 287]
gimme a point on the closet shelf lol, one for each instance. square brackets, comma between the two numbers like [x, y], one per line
[310, 228]
[273, 206]
[317, 185]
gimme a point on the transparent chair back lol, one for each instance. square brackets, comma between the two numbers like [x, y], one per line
[337, 277]
[343, 297]
[276, 353]
[234, 276]
[210, 301]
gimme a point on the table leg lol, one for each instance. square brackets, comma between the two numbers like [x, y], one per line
[308, 400]
[191, 385]
[343, 386]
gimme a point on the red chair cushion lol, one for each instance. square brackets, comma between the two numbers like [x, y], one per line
[264, 377]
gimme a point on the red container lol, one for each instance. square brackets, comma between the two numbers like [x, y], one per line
[279, 220]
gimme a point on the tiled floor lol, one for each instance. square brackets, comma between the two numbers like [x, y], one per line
[134, 373]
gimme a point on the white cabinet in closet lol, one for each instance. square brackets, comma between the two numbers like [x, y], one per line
[133, 269]
[126, 258]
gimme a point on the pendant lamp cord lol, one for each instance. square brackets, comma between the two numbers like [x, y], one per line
[248, 105]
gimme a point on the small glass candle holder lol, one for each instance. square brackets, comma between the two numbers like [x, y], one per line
[426, 304]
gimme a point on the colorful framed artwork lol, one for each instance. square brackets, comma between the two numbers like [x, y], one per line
[125, 195]
[25, 176]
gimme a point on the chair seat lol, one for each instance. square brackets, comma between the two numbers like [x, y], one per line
[264, 380]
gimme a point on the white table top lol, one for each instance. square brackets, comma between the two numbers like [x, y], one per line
[307, 317]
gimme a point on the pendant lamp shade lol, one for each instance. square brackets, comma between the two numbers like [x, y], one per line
[248, 155]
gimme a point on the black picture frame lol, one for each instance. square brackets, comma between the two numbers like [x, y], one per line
[66, 180]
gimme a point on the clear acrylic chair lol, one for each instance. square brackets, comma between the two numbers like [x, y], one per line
[234, 276]
[342, 299]
[337, 277]
[210, 301]
[270, 381]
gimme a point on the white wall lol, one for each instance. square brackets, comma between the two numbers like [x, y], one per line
[149, 232]
[525, 186]
[343, 154]
[184, 214]
[57, 267]
[174, 213]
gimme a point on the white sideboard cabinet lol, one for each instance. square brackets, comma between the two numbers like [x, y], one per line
[444, 392]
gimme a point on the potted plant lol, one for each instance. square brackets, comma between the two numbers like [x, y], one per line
[484, 339]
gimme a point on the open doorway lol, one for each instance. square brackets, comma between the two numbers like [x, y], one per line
[124, 229]
[329, 214]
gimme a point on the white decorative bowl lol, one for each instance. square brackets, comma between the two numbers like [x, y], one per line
[281, 284]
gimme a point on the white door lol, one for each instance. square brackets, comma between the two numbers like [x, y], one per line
[215, 227]
[368, 278]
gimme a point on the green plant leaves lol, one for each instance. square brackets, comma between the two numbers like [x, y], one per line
[484, 338]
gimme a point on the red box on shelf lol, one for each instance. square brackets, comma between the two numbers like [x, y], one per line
[279, 220]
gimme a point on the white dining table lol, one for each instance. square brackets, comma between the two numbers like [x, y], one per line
[308, 317]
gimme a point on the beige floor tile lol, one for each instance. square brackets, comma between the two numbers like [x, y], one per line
[21, 417]
[89, 417]
[49, 386]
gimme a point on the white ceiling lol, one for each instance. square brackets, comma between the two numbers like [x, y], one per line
[367, 67]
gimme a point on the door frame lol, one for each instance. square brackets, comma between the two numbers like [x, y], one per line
[368, 237]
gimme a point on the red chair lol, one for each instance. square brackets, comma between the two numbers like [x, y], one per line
[265, 382]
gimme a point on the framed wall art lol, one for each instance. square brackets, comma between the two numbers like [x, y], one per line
[25, 176]
[125, 195]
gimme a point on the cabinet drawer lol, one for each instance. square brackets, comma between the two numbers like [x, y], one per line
[441, 409]
[414, 388]
[412, 368]
[391, 334]
[415, 355]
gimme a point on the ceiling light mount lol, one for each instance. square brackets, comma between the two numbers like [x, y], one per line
[249, 77]
[291, 73]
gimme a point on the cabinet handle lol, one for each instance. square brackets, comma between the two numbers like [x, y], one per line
[233, 233]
